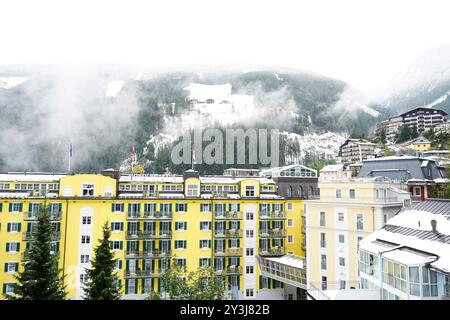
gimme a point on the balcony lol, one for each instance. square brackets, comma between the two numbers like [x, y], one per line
[272, 252]
[228, 215]
[274, 215]
[272, 233]
[229, 233]
[142, 273]
[28, 235]
[146, 254]
[149, 215]
[229, 252]
[32, 216]
[146, 234]
[230, 271]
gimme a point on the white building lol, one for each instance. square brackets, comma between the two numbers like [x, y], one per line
[409, 258]
[332, 172]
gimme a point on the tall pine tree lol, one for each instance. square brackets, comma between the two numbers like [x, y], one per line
[40, 279]
[102, 280]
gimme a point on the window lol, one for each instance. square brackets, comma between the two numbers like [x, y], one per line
[12, 247]
[83, 278]
[322, 219]
[204, 262]
[205, 207]
[341, 284]
[116, 245]
[324, 283]
[264, 282]
[249, 292]
[86, 220]
[429, 279]
[117, 207]
[87, 190]
[323, 262]
[166, 208]
[15, 207]
[341, 261]
[192, 190]
[323, 241]
[341, 238]
[181, 207]
[4, 186]
[180, 244]
[180, 225]
[8, 288]
[84, 258]
[116, 226]
[290, 206]
[249, 191]
[181, 262]
[249, 269]
[13, 227]
[358, 241]
[338, 193]
[249, 215]
[290, 222]
[417, 191]
[359, 221]
[249, 252]
[85, 239]
[340, 216]
[290, 239]
[351, 193]
[204, 244]
[249, 233]
[414, 283]
[205, 225]
[11, 267]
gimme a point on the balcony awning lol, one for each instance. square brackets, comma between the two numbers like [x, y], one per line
[171, 195]
[290, 260]
[12, 195]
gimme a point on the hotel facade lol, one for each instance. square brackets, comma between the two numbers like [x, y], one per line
[223, 222]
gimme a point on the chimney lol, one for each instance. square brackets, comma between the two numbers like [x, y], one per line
[433, 225]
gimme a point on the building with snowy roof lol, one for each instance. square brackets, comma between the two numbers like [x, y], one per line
[409, 258]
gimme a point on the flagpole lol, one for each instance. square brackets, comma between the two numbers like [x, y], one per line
[70, 155]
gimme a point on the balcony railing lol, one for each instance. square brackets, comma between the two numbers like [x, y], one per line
[231, 270]
[142, 273]
[228, 215]
[149, 215]
[228, 252]
[273, 215]
[228, 233]
[270, 252]
[272, 233]
[131, 254]
[28, 235]
[357, 199]
[145, 234]
[33, 216]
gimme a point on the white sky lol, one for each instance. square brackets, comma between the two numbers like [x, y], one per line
[361, 42]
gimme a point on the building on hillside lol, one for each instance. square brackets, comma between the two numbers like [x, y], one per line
[421, 144]
[356, 150]
[332, 172]
[441, 157]
[346, 212]
[425, 178]
[218, 221]
[409, 258]
[394, 123]
[424, 118]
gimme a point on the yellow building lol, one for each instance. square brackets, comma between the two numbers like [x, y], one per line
[421, 144]
[218, 221]
[346, 212]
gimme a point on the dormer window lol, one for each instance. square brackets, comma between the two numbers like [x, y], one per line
[88, 190]
[249, 191]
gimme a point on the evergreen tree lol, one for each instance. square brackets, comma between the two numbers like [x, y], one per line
[40, 279]
[102, 280]
[383, 136]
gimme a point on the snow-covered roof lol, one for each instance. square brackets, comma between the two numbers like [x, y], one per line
[31, 177]
[411, 231]
[150, 178]
[332, 168]
[290, 260]
[269, 196]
